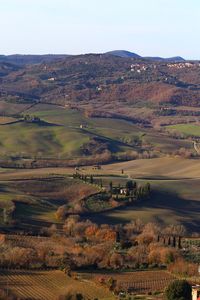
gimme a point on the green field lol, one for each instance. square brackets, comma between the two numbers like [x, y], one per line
[35, 140]
[115, 129]
[62, 136]
[59, 135]
[186, 129]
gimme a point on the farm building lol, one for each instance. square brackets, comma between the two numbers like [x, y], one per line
[96, 167]
[196, 292]
[123, 191]
[82, 126]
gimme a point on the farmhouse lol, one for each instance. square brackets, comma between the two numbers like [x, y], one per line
[123, 191]
[82, 126]
[196, 292]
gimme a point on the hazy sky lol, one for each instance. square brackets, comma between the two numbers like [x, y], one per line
[147, 27]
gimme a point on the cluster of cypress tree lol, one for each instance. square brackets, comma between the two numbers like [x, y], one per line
[83, 177]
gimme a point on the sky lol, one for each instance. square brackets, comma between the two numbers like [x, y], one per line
[147, 27]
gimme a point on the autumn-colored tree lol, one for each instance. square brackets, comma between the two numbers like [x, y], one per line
[183, 268]
[91, 231]
[162, 255]
[106, 234]
[61, 212]
[69, 225]
[175, 230]
[116, 261]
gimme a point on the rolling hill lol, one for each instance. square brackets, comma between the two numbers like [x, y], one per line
[128, 54]
[67, 134]
[119, 103]
[124, 53]
[148, 92]
[20, 59]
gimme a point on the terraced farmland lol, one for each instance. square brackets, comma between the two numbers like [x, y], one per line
[43, 285]
[140, 282]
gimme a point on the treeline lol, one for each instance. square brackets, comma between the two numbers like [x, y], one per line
[174, 112]
[21, 162]
[131, 190]
[83, 244]
[31, 119]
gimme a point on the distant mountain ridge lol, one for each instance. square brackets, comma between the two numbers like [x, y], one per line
[128, 54]
[175, 59]
[21, 59]
[123, 53]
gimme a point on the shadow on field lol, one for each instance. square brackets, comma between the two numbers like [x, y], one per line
[186, 212]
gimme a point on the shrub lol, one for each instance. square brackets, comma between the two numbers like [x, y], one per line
[179, 290]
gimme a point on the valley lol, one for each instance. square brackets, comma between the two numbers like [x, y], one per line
[99, 176]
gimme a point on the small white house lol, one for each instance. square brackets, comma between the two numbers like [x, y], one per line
[123, 191]
[82, 126]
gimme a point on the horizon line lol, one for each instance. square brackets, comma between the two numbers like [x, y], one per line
[97, 53]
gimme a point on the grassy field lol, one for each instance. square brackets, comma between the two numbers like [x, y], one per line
[12, 174]
[37, 140]
[171, 202]
[157, 168]
[60, 135]
[175, 184]
[175, 181]
[175, 196]
[36, 201]
[121, 135]
[186, 129]
[7, 120]
[43, 285]
[112, 128]
[59, 115]
[9, 108]
[65, 138]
